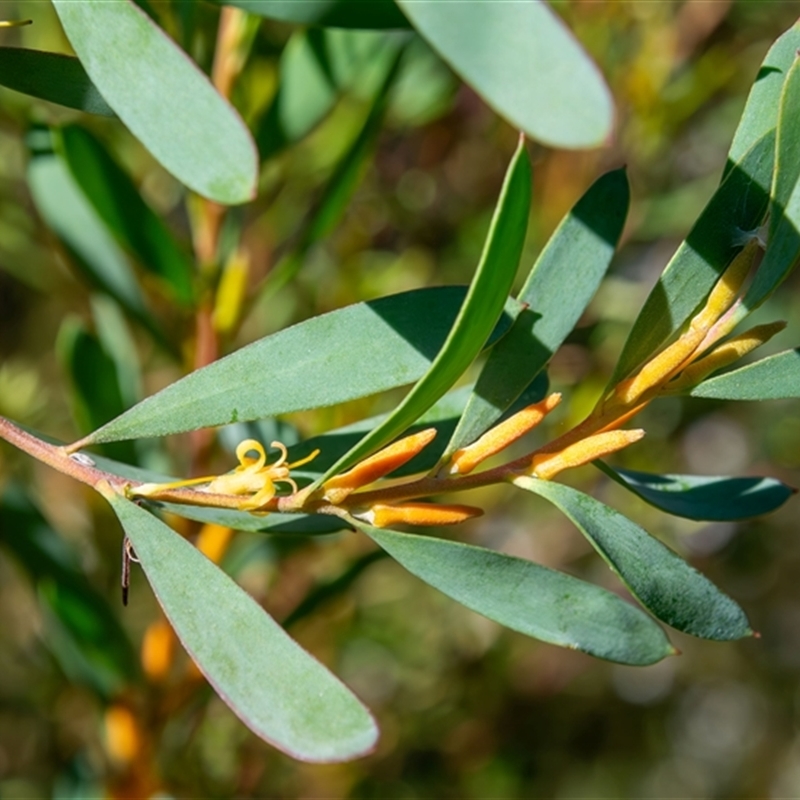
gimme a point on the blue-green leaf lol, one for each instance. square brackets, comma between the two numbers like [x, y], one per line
[529, 598]
[702, 497]
[353, 352]
[51, 76]
[276, 688]
[482, 307]
[660, 579]
[163, 98]
[737, 206]
[773, 378]
[561, 283]
[524, 62]
[118, 203]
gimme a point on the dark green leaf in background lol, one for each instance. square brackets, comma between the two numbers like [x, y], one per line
[51, 76]
[737, 206]
[277, 689]
[477, 317]
[117, 201]
[661, 580]
[529, 598]
[331, 13]
[163, 98]
[524, 62]
[561, 283]
[773, 378]
[702, 497]
[81, 630]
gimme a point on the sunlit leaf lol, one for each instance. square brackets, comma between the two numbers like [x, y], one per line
[737, 206]
[702, 497]
[561, 283]
[660, 579]
[760, 114]
[773, 378]
[163, 98]
[276, 688]
[118, 203]
[529, 598]
[51, 76]
[353, 352]
[524, 62]
[482, 306]
[783, 250]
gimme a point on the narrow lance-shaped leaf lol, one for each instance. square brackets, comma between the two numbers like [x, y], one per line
[783, 248]
[529, 598]
[276, 688]
[774, 378]
[377, 14]
[737, 206]
[118, 203]
[51, 76]
[482, 307]
[62, 205]
[760, 114]
[561, 283]
[352, 352]
[525, 63]
[163, 98]
[701, 497]
[660, 579]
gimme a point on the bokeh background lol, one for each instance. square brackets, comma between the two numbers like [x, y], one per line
[467, 709]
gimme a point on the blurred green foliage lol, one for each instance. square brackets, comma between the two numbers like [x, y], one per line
[467, 709]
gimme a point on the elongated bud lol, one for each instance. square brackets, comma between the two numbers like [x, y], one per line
[662, 367]
[376, 466]
[427, 514]
[158, 645]
[727, 353]
[501, 436]
[548, 465]
[213, 541]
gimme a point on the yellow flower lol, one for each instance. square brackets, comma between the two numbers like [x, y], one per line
[253, 477]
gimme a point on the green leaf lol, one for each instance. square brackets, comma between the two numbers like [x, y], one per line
[560, 285]
[783, 250]
[94, 381]
[81, 630]
[51, 76]
[69, 215]
[343, 182]
[529, 598]
[481, 309]
[163, 98]
[774, 378]
[760, 114]
[701, 497]
[330, 13]
[737, 206]
[118, 203]
[660, 579]
[524, 62]
[352, 352]
[277, 689]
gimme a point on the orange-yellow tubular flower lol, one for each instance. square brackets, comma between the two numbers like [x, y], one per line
[669, 361]
[427, 514]
[547, 465]
[501, 436]
[376, 466]
[726, 354]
